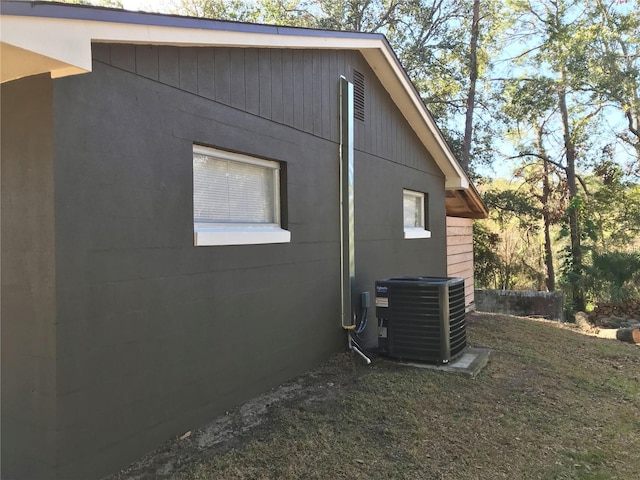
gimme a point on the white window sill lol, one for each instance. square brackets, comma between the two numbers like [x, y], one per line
[209, 236]
[416, 233]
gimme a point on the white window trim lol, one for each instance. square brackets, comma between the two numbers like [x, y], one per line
[415, 232]
[213, 234]
[250, 235]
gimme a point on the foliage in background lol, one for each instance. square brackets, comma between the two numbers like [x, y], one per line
[614, 276]
[507, 251]
[614, 206]
[558, 102]
[486, 260]
[612, 49]
[236, 10]
[508, 246]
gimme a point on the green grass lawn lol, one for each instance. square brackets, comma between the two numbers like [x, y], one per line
[551, 404]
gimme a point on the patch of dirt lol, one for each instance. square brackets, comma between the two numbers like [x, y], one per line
[310, 391]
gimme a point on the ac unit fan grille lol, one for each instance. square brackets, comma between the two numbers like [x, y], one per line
[424, 318]
[457, 320]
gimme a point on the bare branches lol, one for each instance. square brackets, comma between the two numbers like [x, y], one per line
[545, 158]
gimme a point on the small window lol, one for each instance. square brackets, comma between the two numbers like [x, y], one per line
[236, 199]
[415, 207]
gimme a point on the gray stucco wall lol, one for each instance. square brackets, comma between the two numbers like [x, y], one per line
[156, 336]
[28, 281]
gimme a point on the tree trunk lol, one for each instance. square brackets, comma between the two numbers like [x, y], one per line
[546, 217]
[577, 293]
[550, 281]
[473, 78]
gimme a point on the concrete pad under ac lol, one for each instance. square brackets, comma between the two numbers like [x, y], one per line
[470, 362]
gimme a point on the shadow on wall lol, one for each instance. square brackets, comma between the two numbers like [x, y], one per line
[549, 305]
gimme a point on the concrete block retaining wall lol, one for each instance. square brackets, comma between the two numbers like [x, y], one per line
[548, 305]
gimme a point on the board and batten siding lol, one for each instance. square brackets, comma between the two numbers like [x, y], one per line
[296, 88]
[460, 254]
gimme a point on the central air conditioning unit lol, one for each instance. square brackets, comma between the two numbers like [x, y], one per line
[421, 318]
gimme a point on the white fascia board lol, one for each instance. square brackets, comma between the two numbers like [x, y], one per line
[194, 37]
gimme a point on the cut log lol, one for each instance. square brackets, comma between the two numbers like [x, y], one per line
[631, 335]
[610, 333]
[582, 322]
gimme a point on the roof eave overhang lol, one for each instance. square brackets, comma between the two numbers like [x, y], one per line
[43, 38]
[466, 204]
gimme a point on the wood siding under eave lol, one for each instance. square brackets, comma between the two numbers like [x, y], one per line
[460, 254]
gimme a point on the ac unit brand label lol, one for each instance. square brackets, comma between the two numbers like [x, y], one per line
[382, 302]
[382, 289]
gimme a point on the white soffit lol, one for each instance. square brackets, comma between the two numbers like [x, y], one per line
[59, 46]
[16, 62]
[33, 45]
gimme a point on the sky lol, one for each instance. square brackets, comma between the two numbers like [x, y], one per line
[133, 4]
[147, 5]
[138, 4]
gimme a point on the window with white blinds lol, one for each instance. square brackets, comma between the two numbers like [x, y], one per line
[235, 199]
[413, 206]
